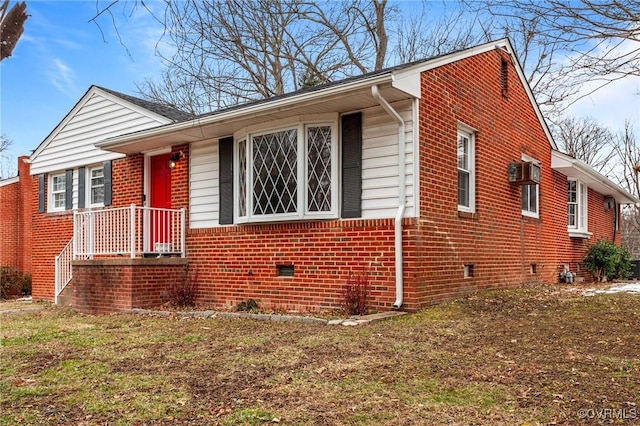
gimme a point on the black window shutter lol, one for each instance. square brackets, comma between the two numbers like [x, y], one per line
[42, 206]
[81, 187]
[352, 165]
[108, 183]
[68, 189]
[225, 149]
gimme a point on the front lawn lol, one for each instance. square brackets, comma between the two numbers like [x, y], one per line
[530, 356]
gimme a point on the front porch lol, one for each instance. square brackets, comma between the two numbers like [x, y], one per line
[122, 258]
[104, 286]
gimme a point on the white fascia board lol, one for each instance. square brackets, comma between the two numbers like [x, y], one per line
[9, 181]
[575, 168]
[243, 112]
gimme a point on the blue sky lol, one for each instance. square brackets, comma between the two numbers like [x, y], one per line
[61, 54]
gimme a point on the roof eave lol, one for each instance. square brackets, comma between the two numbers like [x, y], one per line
[572, 167]
[179, 132]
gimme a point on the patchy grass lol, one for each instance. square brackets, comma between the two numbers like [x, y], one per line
[532, 356]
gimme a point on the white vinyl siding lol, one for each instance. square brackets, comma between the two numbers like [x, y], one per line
[380, 162]
[379, 169]
[101, 116]
[204, 192]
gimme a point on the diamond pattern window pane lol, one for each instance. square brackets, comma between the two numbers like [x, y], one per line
[242, 197]
[275, 181]
[319, 168]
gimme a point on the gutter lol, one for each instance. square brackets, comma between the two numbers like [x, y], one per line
[402, 192]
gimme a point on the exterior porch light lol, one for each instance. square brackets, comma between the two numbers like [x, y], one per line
[175, 157]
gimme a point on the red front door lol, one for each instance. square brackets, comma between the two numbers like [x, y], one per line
[160, 198]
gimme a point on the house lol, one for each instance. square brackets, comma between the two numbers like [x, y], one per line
[15, 219]
[437, 178]
[70, 174]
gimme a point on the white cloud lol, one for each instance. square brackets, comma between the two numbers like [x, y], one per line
[61, 76]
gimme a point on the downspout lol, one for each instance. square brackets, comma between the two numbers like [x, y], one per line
[402, 191]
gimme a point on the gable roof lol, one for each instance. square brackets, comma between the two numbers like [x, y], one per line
[99, 114]
[164, 110]
[157, 112]
[395, 83]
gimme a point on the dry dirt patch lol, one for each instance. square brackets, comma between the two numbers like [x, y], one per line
[532, 356]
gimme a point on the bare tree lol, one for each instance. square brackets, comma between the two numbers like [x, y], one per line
[11, 26]
[627, 149]
[234, 51]
[586, 140]
[419, 36]
[5, 167]
[563, 45]
[230, 51]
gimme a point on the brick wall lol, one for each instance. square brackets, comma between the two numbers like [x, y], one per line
[11, 226]
[119, 285]
[128, 181]
[504, 247]
[15, 220]
[237, 263]
[51, 233]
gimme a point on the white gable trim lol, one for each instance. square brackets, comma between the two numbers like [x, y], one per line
[94, 90]
[9, 181]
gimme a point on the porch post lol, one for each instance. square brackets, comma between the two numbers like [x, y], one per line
[183, 232]
[75, 234]
[132, 224]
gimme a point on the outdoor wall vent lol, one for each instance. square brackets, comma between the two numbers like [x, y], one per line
[468, 271]
[524, 173]
[285, 270]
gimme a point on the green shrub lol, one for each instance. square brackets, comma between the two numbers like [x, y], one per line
[13, 282]
[607, 261]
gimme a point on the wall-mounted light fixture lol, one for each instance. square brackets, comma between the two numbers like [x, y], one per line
[175, 157]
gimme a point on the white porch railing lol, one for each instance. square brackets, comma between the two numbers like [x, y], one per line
[128, 231]
[63, 269]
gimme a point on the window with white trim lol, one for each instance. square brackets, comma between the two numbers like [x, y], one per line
[287, 174]
[57, 199]
[466, 170]
[577, 206]
[530, 195]
[96, 186]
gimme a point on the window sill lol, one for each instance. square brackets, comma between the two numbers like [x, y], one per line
[59, 213]
[287, 219]
[579, 234]
[467, 215]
